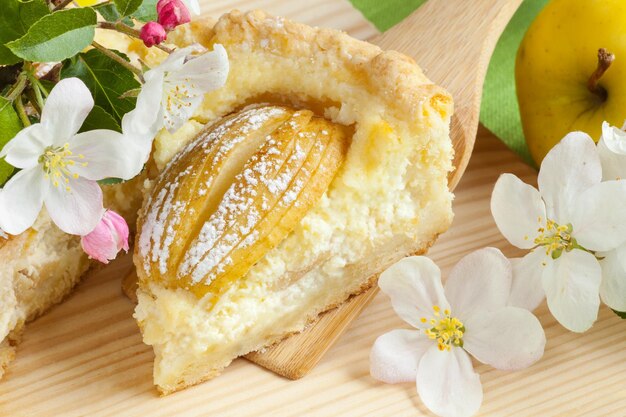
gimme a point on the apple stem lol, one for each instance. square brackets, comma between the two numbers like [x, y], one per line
[605, 59]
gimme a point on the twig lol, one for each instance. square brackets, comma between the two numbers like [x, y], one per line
[18, 87]
[62, 5]
[119, 60]
[19, 106]
[41, 87]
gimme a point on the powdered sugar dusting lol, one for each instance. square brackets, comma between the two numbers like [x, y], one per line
[163, 213]
[233, 224]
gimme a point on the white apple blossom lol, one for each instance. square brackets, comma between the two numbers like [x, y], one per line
[469, 316]
[194, 6]
[174, 89]
[565, 224]
[612, 151]
[60, 167]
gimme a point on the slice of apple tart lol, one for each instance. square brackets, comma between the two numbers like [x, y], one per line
[324, 161]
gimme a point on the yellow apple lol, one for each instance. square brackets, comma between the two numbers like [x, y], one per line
[555, 62]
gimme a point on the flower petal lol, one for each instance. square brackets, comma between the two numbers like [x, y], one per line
[598, 216]
[570, 168]
[77, 211]
[614, 138]
[194, 6]
[612, 151]
[395, 355]
[572, 284]
[145, 120]
[21, 200]
[66, 109]
[507, 339]
[526, 289]
[613, 286]
[447, 383]
[481, 281]
[208, 71]
[108, 154]
[24, 150]
[107, 239]
[414, 286]
[174, 61]
[518, 210]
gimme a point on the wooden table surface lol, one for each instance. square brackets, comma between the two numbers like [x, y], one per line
[85, 358]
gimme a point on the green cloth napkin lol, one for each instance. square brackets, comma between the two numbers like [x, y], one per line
[386, 13]
[499, 110]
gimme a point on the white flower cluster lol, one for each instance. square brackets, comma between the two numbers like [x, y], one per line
[574, 226]
[60, 167]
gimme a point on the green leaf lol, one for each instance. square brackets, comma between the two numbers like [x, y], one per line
[384, 14]
[57, 36]
[109, 12]
[15, 19]
[147, 11]
[11, 125]
[6, 170]
[110, 181]
[98, 118]
[106, 79]
[621, 314]
[127, 7]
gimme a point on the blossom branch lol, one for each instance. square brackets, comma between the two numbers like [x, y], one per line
[127, 30]
[40, 87]
[35, 93]
[62, 5]
[18, 87]
[21, 112]
[119, 60]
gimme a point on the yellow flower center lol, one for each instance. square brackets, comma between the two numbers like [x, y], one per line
[447, 330]
[556, 238]
[177, 99]
[56, 162]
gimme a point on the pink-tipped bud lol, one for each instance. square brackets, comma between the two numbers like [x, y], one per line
[108, 238]
[172, 13]
[152, 33]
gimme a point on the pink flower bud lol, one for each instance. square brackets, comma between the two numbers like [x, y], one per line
[107, 239]
[152, 33]
[172, 13]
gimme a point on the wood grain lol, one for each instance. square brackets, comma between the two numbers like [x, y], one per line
[86, 358]
[453, 44]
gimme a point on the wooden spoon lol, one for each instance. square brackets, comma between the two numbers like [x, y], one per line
[452, 40]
